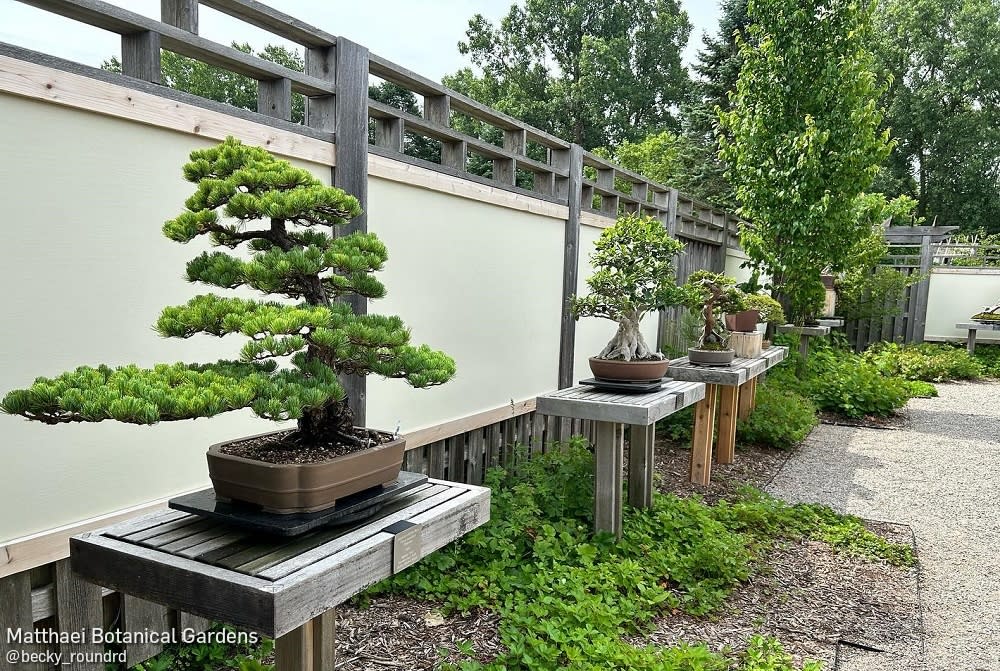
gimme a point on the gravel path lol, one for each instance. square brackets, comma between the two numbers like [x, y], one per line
[939, 472]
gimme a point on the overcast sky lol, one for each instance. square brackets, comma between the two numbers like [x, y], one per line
[421, 36]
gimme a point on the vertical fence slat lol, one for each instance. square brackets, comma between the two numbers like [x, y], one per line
[456, 457]
[572, 160]
[138, 615]
[15, 614]
[78, 606]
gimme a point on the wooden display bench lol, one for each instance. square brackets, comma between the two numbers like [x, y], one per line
[972, 327]
[612, 411]
[737, 397]
[286, 588]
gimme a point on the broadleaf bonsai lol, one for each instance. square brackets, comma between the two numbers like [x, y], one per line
[286, 217]
[768, 308]
[634, 261]
[712, 295]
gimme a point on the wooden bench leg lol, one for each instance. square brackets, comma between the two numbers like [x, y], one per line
[726, 452]
[310, 647]
[753, 394]
[971, 342]
[745, 398]
[609, 451]
[701, 444]
[640, 465]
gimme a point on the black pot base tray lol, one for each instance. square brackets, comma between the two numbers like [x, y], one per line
[629, 387]
[348, 510]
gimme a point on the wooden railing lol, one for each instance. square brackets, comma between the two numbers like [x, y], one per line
[967, 255]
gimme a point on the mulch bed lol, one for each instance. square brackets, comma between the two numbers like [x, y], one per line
[805, 594]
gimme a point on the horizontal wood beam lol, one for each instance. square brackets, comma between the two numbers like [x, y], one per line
[273, 21]
[117, 20]
[432, 128]
[397, 74]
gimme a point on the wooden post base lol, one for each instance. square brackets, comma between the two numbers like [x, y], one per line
[640, 465]
[701, 444]
[970, 343]
[745, 399]
[609, 451]
[310, 647]
[726, 453]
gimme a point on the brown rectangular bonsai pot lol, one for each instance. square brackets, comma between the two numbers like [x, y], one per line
[302, 488]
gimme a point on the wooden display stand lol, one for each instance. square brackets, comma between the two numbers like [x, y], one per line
[734, 388]
[612, 412]
[286, 588]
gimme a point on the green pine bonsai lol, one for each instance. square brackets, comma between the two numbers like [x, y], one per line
[286, 217]
[635, 275]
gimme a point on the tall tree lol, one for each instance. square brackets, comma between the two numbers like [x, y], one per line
[718, 66]
[944, 107]
[595, 72]
[802, 140]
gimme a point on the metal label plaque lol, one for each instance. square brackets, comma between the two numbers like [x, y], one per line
[406, 544]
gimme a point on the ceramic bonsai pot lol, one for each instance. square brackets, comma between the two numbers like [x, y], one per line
[302, 488]
[744, 321]
[711, 357]
[631, 371]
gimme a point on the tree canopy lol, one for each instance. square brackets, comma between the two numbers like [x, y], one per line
[594, 72]
[943, 106]
[802, 140]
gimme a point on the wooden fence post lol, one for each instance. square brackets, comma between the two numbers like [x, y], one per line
[182, 14]
[923, 290]
[670, 223]
[572, 160]
[350, 120]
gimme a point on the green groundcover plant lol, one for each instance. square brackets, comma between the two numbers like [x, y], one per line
[566, 598]
[926, 362]
[286, 218]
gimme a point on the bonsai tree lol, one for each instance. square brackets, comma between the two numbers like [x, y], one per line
[769, 309]
[712, 295]
[286, 219]
[990, 314]
[635, 275]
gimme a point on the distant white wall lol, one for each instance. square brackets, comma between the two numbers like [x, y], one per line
[481, 282]
[955, 294]
[592, 333]
[734, 258]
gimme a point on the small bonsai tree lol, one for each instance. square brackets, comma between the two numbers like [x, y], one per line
[293, 254]
[990, 314]
[635, 275]
[768, 308]
[712, 295]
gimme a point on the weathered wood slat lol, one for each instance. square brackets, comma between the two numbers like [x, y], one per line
[273, 21]
[16, 614]
[197, 526]
[175, 520]
[141, 615]
[78, 607]
[437, 495]
[288, 558]
[117, 20]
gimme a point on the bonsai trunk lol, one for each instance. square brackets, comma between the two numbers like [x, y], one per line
[334, 422]
[628, 343]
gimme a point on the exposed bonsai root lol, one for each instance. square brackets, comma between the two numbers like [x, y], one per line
[628, 344]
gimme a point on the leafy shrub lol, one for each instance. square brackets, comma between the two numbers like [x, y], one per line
[853, 388]
[566, 597]
[927, 362]
[782, 418]
[840, 381]
[988, 357]
[921, 389]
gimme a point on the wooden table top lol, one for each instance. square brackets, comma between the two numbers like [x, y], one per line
[976, 326]
[735, 374]
[264, 583]
[586, 402]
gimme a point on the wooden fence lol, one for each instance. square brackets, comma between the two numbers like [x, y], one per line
[912, 251]
[526, 161]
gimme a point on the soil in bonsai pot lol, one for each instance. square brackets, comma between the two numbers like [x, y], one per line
[284, 448]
